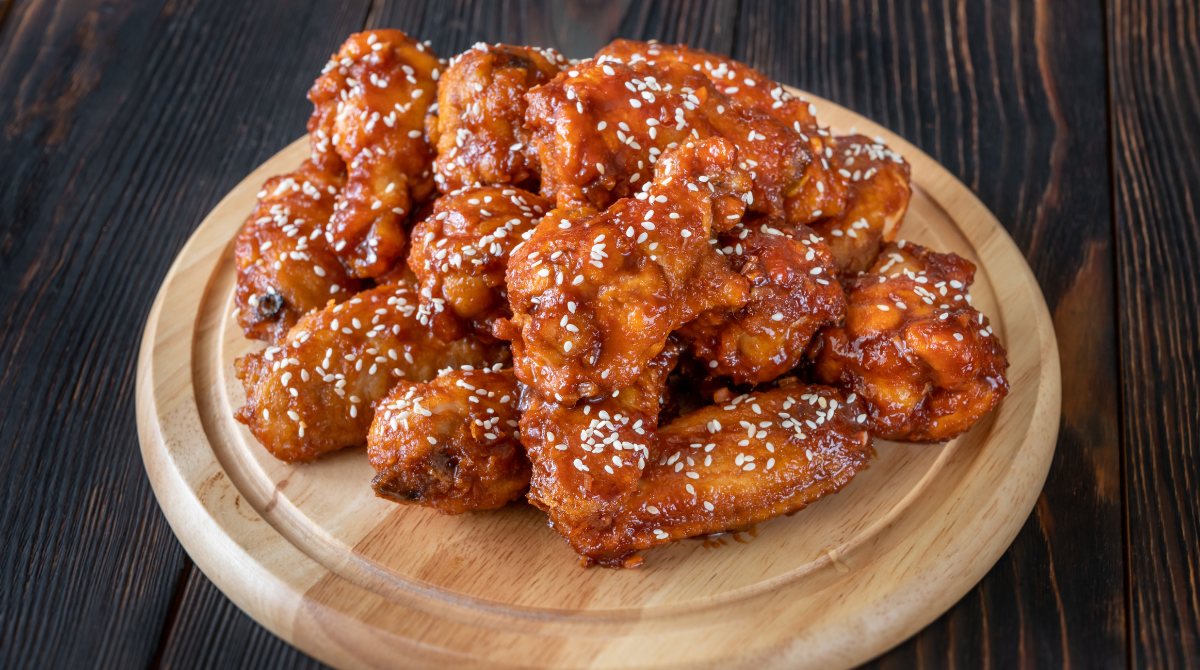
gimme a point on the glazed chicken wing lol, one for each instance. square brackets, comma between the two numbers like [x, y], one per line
[479, 127]
[924, 362]
[452, 443]
[285, 267]
[725, 467]
[587, 458]
[600, 127]
[369, 109]
[595, 297]
[460, 253]
[877, 184]
[314, 392]
[794, 292]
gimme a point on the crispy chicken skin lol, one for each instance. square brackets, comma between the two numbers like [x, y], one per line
[600, 127]
[877, 194]
[313, 393]
[460, 253]
[479, 126]
[922, 359]
[285, 268]
[451, 443]
[587, 458]
[794, 292]
[594, 297]
[369, 115]
[727, 466]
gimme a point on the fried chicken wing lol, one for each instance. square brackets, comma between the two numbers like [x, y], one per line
[285, 268]
[794, 292]
[600, 127]
[451, 443]
[877, 183]
[460, 253]
[925, 362]
[479, 127]
[314, 392]
[369, 109]
[587, 458]
[594, 297]
[725, 467]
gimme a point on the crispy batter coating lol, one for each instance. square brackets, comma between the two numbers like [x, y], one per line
[479, 127]
[595, 297]
[923, 360]
[285, 267]
[369, 109]
[736, 80]
[730, 465]
[460, 253]
[587, 458]
[452, 443]
[314, 392]
[878, 190]
[600, 127]
[794, 292]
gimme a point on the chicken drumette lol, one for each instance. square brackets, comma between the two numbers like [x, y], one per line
[479, 127]
[368, 120]
[452, 443]
[730, 465]
[314, 392]
[794, 292]
[924, 362]
[460, 253]
[594, 297]
[285, 267]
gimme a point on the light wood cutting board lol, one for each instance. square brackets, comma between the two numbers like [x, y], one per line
[357, 581]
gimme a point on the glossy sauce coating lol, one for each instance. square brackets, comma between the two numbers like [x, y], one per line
[595, 297]
[924, 362]
[794, 292]
[460, 252]
[479, 127]
[314, 392]
[601, 126]
[450, 443]
[730, 465]
[369, 114]
[877, 194]
[285, 268]
[587, 458]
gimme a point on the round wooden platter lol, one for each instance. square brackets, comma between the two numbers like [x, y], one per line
[357, 581]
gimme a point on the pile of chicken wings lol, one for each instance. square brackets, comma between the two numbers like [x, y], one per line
[646, 291]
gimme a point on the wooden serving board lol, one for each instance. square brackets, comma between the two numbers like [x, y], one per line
[357, 581]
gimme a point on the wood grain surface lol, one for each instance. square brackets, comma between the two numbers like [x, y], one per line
[123, 123]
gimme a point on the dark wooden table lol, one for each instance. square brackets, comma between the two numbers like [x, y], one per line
[1077, 122]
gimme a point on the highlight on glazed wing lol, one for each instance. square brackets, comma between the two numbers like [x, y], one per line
[646, 292]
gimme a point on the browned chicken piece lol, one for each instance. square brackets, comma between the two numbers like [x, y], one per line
[600, 127]
[594, 297]
[369, 109]
[878, 191]
[823, 193]
[285, 267]
[587, 459]
[479, 127]
[452, 443]
[736, 80]
[727, 466]
[460, 252]
[794, 292]
[314, 392]
[925, 362]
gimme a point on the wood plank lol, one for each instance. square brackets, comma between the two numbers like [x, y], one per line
[1155, 109]
[123, 124]
[1009, 96]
